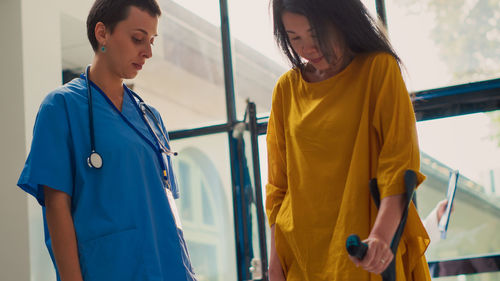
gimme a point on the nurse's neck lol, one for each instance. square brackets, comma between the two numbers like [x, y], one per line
[108, 82]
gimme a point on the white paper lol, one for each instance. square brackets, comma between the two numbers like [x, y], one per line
[173, 207]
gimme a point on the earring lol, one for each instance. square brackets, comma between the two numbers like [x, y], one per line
[103, 49]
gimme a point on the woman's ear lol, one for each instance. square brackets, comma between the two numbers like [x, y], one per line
[100, 33]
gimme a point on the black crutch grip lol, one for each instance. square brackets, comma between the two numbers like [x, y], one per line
[355, 247]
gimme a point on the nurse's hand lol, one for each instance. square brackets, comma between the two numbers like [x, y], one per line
[377, 258]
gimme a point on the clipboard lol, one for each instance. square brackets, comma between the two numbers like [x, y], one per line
[450, 195]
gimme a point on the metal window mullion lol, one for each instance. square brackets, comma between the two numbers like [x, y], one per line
[233, 143]
[228, 64]
[252, 114]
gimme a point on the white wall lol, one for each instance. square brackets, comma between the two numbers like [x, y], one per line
[14, 250]
[31, 67]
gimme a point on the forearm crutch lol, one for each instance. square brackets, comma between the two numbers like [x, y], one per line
[358, 249]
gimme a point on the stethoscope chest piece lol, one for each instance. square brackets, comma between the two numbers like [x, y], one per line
[94, 160]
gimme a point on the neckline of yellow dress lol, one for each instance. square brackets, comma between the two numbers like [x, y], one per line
[329, 79]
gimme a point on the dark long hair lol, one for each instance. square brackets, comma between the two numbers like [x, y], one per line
[361, 33]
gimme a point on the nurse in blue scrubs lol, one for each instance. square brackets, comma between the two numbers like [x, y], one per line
[109, 216]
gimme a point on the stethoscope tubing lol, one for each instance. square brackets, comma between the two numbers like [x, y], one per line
[164, 148]
[91, 111]
[94, 160]
[160, 151]
[159, 148]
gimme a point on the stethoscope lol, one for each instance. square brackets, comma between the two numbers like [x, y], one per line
[94, 160]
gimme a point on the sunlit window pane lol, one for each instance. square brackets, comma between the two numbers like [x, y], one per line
[471, 145]
[446, 42]
[184, 177]
[184, 79]
[206, 205]
[257, 61]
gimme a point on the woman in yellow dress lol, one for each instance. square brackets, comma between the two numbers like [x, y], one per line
[340, 117]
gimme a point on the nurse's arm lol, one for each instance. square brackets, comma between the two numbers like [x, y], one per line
[379, 255]
[62, 233]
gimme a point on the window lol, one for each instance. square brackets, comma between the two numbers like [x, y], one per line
[184, 79]
[205, 205]
[448, 42]
[471, 145]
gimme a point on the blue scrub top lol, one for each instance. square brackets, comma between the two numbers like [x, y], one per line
[123, 221]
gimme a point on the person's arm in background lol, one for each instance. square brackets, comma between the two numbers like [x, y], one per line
[431, 222]
[62, 233]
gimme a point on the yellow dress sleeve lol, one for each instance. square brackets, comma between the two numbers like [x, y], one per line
[276, 156]
[395, 125]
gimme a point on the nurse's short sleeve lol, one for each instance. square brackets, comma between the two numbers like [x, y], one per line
[50, 161]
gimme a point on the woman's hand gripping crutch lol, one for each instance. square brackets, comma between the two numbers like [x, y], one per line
[358, 249]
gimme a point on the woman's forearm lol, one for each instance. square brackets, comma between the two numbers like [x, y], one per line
[275, 268]
[273, 255]
[379, 254]
[389, 215]
[62, 233]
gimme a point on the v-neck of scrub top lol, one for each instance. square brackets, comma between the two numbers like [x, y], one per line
[131, 115]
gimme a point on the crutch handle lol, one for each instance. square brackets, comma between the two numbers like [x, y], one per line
[355, 247]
